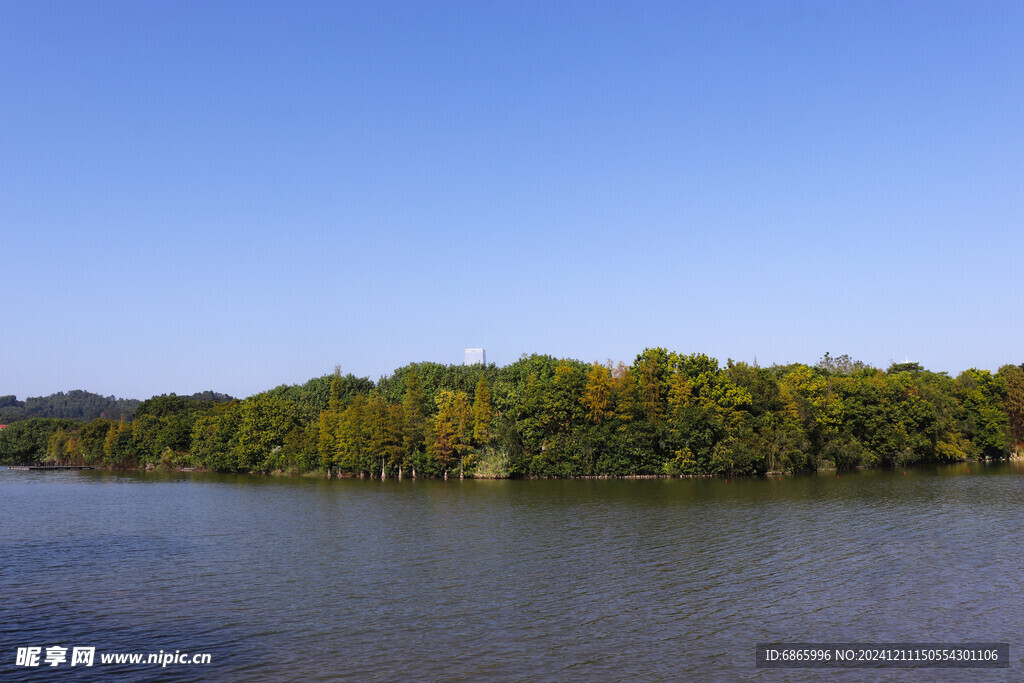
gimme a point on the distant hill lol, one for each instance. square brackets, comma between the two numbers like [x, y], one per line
[81, 405]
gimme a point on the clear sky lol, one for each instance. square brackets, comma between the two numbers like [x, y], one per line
[236, 195]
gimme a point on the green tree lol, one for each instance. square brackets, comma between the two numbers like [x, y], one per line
[414, 424]
[1012, 377]
[214, 436]
[482, 412]
[263, 424]
[327, 439]
[353, 438]
[985, 421]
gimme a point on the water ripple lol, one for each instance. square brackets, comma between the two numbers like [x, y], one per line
[539, 580]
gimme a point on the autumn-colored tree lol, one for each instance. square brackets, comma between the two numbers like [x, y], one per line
[652, 373]
[597, 395]
[624, 393]
[444, 430]
[680, 394]
[450, 433]
[110, 440]
[55, 446]
[464, 426]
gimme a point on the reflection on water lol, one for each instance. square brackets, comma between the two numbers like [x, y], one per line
[541, 580]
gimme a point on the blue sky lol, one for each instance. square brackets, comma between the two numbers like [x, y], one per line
[232, 196]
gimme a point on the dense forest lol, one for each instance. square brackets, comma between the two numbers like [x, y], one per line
[79, 405]
[665, 414]
[74, 405]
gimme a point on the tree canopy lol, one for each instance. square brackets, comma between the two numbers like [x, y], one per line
[667, 413]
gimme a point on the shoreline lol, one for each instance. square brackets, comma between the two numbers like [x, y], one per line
[38, 467]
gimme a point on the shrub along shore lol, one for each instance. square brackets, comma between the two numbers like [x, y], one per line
[666, 414]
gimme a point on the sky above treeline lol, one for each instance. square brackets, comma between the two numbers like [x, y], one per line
[236, 195]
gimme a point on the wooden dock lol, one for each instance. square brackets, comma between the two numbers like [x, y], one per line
[50, 467]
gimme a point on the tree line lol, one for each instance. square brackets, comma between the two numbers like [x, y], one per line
[665, 414]
[73, 405]
[79, 405]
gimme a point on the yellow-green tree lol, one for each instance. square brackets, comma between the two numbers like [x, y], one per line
[451, 429]
[110, 442]
[482, 412]
[464, 422]
[652, 368]
[351, 444]
[597, 394]
[55, 446]
[263, 424]
[624, 393]
[384, 433]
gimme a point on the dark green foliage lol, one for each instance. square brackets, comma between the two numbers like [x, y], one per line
[316, 393]
[170, 404]
[984, 420]
[896, 368]
[1012, 379]
[211, 397]
[24, 442]
[434, 378]
[264, 424]
[74, 405]
[213, 436]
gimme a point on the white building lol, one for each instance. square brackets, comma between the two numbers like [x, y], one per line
[474, 356]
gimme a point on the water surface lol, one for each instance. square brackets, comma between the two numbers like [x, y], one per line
[284, 579]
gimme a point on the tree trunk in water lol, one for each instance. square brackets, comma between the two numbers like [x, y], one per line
[383, 476]
[399, 473]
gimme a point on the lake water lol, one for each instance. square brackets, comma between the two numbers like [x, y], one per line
[290, 579]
